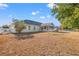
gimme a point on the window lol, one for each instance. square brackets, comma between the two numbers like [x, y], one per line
[29, 27]
[44, 27]
[34, 28]
[26, 27]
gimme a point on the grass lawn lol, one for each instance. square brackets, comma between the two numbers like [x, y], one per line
[44, 44]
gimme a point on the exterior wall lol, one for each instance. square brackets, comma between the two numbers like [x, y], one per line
[37, 28]
[2, 30]
[12, 28]
[33, 28]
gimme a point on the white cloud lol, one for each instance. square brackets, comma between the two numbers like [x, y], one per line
[35, 12]
[48, 16]
[2, 6]
[42, 17]
[45, 17]
[51, 5]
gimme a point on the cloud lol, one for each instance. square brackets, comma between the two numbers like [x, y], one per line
[51, 5]
[35, 12]
[2, 6]
[48, 16]
[42, 17]
[45, 17]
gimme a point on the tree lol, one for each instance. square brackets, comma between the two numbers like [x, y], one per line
[68, 15]
[19, 25]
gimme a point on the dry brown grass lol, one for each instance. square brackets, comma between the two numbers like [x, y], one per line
[50, 43]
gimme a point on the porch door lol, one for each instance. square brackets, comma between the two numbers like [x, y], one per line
[45, 28]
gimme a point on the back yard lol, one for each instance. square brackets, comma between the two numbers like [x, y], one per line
[48, 43]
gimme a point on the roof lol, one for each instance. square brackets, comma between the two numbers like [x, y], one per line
[32, 22]
[47, 24]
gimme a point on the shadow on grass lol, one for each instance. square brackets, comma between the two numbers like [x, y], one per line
[63, 32]
[23, 36]
[59, 33]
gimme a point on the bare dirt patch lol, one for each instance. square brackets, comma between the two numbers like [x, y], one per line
[49, 43]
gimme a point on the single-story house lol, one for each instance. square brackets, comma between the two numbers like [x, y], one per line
[34, 26]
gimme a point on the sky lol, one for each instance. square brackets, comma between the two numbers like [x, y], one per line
[40, 12]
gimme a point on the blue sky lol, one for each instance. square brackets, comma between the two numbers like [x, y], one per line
[40, 12]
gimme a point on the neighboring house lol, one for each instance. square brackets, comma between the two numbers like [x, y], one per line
[33, 26]
[3, 30]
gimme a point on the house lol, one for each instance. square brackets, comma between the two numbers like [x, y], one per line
[47, 27]
[33, 26]
[4, 30]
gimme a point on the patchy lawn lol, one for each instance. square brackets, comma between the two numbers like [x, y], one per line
[49, 43]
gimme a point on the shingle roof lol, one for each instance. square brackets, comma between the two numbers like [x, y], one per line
[47, 24]
[32, 22]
